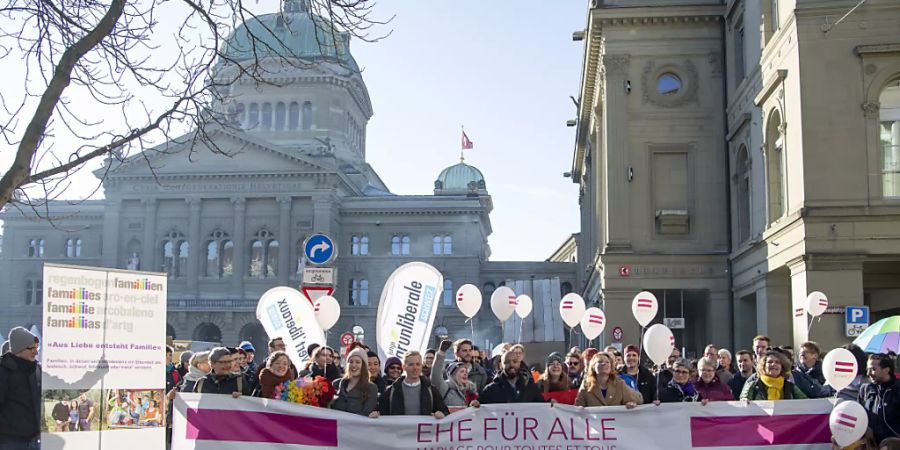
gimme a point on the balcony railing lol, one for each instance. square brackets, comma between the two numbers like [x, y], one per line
[206, 304]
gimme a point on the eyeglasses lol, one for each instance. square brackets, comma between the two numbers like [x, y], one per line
[395, 368]
[573, 363]
[683, 372]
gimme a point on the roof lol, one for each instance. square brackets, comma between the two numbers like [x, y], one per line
[457, 178]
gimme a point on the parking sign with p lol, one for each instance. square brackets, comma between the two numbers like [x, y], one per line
[857, 320]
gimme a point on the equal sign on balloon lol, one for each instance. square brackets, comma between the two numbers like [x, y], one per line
[512, 300]
[799, 312]
[568, 304]
[459, 297]
[645, 303]
[843, 366]
[847, 420]
[672, 340]
[595, 319]
[823, 302]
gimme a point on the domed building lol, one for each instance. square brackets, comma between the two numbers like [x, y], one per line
[226, 220]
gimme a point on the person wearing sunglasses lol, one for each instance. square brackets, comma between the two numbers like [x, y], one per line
[20, 392]
[680, 388]
[574, 368]
[393, 369]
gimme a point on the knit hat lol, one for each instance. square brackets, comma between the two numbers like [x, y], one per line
[247, 346]
[632, 348]
[554, 357]
[20, 339]
[359, 353]
[185, 357]
[5, 348]
[453, 367]
[391, 361]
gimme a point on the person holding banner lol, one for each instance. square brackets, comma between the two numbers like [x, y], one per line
[770, 382]
[554, 383]
[276, 372]
[393, 370]
[456, 390]
[20, 392]
[709, 385]
[222, 380]
[511, 384]
[198, 367]
[411, 395]
[354, 393]
[679, 388]
[602, 387]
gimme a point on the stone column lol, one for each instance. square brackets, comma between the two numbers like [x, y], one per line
[194, 245]
[840, 278]
[773, 310]
[148, 259]
[240, 244]
[111, 227]
[617, 307]
[616, 113]
[285, 238]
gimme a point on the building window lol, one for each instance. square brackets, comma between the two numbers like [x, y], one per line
[73, 248]
[487, 289]
[739, 63]
[294, 116]
[742, 179]
[400, 245]
[263, 255]
[889, 119]
[219, 255]
[267, 116]
[565, 288]
[775, 166]
[133, 255]
[448, 292]
[175, 250]
[240, 112]
[253, 120]
[279, 116]
[359, 292]
[36, 248]
[359, 245]
[307, 116]
[668, 84]
[770, 20]
[442, 245]
[34, 291]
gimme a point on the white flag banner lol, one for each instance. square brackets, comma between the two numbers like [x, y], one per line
[407, 309]
[285, 313]
[216, 422]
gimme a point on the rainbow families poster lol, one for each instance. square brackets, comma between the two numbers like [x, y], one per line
[103, 358]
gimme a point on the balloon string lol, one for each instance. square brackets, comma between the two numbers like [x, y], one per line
[521, 324]
[641, 343]
[472, 323]
[809, 329]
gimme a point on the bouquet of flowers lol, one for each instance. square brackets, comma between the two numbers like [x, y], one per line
[306, 391]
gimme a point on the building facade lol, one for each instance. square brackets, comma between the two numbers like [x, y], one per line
[226, 219]
[736, 156]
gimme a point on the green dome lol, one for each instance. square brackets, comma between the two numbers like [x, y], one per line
[295, 33]
[458, 177]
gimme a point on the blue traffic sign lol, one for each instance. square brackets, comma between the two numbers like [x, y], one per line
[319, 249]
[857, 315]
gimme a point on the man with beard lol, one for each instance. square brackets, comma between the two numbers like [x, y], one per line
[881, 399]
[511, 385]
[462, 349]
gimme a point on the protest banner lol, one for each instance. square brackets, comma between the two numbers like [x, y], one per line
[207, 422]
[407, 309]
[103, 358]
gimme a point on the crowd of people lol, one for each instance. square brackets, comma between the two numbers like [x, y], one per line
[433, 383]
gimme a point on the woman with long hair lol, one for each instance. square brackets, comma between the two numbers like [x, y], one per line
[354, 393]
[322, 365]
[770, 382]
[601, 386]
[276, 372]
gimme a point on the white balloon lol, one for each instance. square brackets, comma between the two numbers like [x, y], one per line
[571, 308]
[644, 307]
[523, 306]
[848, 422]
[468, 300]
[658, 343]
[816, 303]
[328, 311]
[593, 322]
[839, 368]
[503, 303]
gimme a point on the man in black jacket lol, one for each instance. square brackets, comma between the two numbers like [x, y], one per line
[511, 385]
[881, 398]
[411, 394]
[222, 380]
[637, 376]
[20, 392]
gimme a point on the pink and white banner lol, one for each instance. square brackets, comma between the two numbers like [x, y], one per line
[221, 422]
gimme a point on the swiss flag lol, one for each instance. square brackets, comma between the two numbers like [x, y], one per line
[466, 143]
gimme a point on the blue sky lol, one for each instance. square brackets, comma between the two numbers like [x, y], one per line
[505, 70]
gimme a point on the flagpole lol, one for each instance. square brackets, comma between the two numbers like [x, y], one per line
[462, 147]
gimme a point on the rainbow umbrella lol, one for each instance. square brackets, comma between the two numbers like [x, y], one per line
[881, 337]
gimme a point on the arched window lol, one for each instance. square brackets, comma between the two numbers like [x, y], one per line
[359, 292]
[307, 115]
[889, 119]
[266, 116]
[359, 245]
[404, 245]
[448, 245]
[78, 248]
[170, 331]
[363, 292]
[29, 291]
[263, 255]
[175, 252]
[219, 255]
[364, 245]
[70, 248]
[448, 292]
[240, 115]
[742, 179]
[294, 116]
[775, 166]
[436, 245]
[487, 289]
[208, 332]
[395, 245]
[253, 120]
[279, 116]
[442, 245]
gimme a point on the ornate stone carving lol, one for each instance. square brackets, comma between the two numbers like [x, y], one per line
[438, 184]
[715, 63]
[617, 64]
[871, 108]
